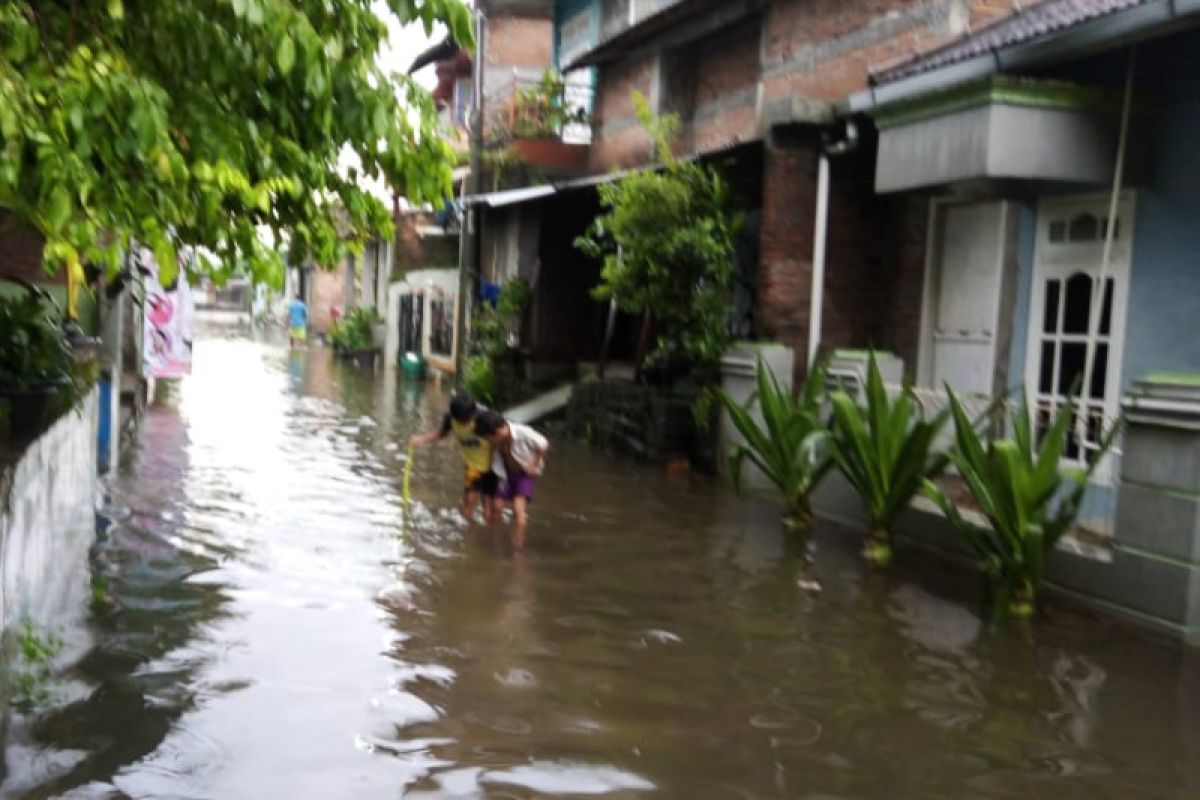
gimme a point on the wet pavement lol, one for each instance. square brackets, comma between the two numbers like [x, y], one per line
[269, 622]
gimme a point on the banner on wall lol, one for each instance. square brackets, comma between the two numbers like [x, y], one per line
[168, 328]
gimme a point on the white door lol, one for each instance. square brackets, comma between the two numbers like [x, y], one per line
[1069, 251]
[964, 307]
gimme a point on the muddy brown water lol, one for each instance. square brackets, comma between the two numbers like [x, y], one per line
[270, 624]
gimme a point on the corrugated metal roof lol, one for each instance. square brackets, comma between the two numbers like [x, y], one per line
[510, 196]
[1032, 22]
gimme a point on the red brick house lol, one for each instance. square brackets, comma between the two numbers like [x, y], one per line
[755, 83]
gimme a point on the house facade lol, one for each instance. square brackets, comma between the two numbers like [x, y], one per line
[997, 193]
[754, 84]
[1061, 258]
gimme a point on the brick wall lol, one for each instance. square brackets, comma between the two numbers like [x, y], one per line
[519, 42]
[819, 50]
[785, 274]
[21, 252]
[327, 293]
[619, 140]
[414, 251]
[723, 107]
[874, 263]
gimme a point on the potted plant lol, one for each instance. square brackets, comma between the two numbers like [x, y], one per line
[39, 375]
[353, 337]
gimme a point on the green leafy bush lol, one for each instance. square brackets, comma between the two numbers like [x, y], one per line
[353, 334]
[886, 451]
[666, 240]
[789, 447]
[1029, 499]
[35, 354]
[479, 378]
[488, 374]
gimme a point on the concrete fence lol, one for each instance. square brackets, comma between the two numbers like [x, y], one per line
[47, 522]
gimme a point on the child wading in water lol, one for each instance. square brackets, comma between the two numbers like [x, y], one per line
[520, 456]
[479, 482]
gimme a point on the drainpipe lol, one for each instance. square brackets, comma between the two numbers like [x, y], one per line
[468, 255]
[830, 147]
[1098, 291]
[818, 263]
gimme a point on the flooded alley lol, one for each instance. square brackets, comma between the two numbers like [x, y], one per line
[268, 622]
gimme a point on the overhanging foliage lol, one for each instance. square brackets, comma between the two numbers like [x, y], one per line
[206, 122]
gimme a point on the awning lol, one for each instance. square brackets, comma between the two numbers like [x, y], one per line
[527, 194]
[510, 197]
[1001, 128]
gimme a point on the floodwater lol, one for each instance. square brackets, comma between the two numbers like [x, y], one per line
[269, 623]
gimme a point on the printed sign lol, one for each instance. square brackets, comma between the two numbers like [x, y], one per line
[167, 333]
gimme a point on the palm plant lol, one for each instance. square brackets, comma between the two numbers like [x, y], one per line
[789, 446]
[886, 451]
[1029, 499]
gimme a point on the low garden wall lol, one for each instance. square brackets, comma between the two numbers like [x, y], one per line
[653, 425]
[47, 521]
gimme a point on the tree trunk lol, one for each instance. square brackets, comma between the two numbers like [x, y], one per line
[644, 338]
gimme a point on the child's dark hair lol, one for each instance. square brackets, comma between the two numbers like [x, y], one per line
[462, 407]
[489, 422]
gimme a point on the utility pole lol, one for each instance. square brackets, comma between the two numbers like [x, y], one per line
[468, 247]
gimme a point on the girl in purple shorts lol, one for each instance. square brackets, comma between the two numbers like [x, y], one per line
[519, 456]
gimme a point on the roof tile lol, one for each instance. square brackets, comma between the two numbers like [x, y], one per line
[1032, 22]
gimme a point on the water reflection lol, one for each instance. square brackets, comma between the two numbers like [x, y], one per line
[276, 624]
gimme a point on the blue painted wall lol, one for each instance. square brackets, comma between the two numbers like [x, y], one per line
[1163, 322]
[1163, 312]
[565, 10]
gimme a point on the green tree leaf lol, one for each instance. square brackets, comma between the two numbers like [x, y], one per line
[285, 56]
[58, 209]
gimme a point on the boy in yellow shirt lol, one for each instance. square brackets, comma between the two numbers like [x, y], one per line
[479, 481]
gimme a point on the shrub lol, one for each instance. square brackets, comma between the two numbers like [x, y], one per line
[1029, 499]
[667, 246]
[886, 451]
[35, 353]
[353, 334]
[479, 378]
[488, 373]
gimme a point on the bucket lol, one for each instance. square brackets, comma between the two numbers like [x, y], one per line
[413, 365]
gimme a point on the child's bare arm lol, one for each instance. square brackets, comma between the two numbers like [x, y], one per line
[425, 439]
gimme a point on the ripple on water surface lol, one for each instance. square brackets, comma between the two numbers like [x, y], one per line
[271, 622]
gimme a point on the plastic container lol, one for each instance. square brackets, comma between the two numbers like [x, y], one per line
[412, 365]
